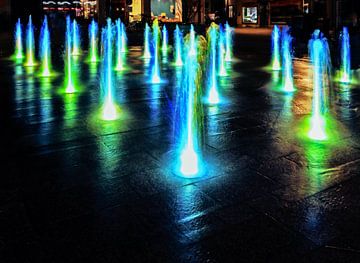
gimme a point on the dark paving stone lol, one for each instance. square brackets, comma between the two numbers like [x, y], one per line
[74, 188]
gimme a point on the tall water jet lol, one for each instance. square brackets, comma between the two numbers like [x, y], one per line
[228, 42]
[76, 38]
[276, 48]
[221, 52]
[18, 55]
[192, 41]
[119, 46]
[45, 49]
[287, 69]
[147, 53]
[69, 85]
[345, 56]
[156, 67]
[93, 40]
[164, 47]
[320, 59]
[123, 38]
[178, 46]
[188, 116]
[30, 44]
[109, 109]
[212, 38]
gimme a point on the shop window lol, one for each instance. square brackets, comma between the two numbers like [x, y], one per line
[250, 15]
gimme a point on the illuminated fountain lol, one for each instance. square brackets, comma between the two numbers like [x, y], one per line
[93, 40]
[75, 38]
[147, 53]
[178, 46]
[276, 48]
[18, 55]
[30, 44]
[287, 69]
[123, 38]
[119, 46]
[345, 56]
[155, 79]
[228, 42]
[164, 47]
[109, 108]
[221, 52]
[212, 38]
[69, 84]
[320, 59]
[192, 41]
[45, 49]
[189, 116]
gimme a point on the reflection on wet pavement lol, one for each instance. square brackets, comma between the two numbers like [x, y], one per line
[78, 189]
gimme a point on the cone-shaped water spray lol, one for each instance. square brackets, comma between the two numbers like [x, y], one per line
[69, 85]
[109, 108]
[45, 49]
[120, 56]
[18, 55]
[228, 42]
[287, 68]
[147, 53]
[30, 44]
[276, 48]
[93, 42]
[320, 59]
[155, 78]
[212, 38]
[221, 52]
[178, 46]
[75, 38]
[345, 56]
[164, 47]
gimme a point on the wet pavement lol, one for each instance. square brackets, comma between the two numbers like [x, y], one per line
[77, 189]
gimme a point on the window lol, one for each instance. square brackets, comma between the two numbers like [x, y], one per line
[250, 15]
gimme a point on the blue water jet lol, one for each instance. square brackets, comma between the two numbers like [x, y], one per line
[275, 37]
[345, 56]
[287, 68]
[45, 49]
[321, 66]
[178, 37]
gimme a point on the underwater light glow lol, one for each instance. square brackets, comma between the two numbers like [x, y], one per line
[19, 55]
[178, 46]
[228, 42]
[30, 44]
[189, 162]
[93, 31]
[76, 38]
[147, 54]
[345, 56]
[276, 48]
[155, 79]
[288, 82]
[70, 88]
[320, 58]
[45, 49]
[109, 109]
